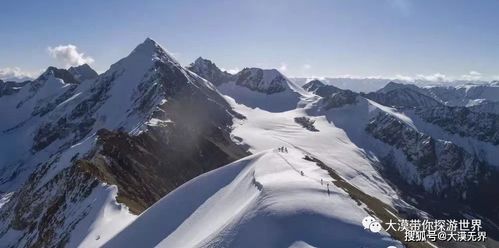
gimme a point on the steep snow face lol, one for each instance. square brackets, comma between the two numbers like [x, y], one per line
[259, 201]
[22, 114]
[265, 89]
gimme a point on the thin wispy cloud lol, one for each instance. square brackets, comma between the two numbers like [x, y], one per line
[472, 75]
[68, 55]
[307, 66]
[435, 77]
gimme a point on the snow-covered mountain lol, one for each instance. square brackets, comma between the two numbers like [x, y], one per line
[259, 201]
[402, 95]
[409, 164]
[83, 72]
[266, 89]
[449, 152]
[370, 84]
[10, 87]
[82, 155]
[208, 70]
[478, 97]
[78, 158]
[466, 95]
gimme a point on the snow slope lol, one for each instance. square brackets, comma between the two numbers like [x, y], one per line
[262, 130]
[268, 90]
[50, 124]
[240, 204]
[466, 94]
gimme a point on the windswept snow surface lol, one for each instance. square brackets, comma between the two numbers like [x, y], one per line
[259, 201]
[105, 219]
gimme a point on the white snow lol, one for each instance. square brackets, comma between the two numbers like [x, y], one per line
[292, 97]
[277, 102]
[259, 201]
[105, 219]
[262, 130]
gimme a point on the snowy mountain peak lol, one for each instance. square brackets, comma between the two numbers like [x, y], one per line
[147, 52]
[83, 72]
[209, 71]
[204, 64]
[62, 74]
[313, 85]
[202, 61]
[395, 86]
[267, 81]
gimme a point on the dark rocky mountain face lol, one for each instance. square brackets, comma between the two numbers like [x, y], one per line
[62, 74]
[321, 89]
[190, 136]
[405, 97]
[268, 81]
[483, 98]
[464, 122]
[331, 96]
[83, 72]
[444, 179]
[313, 85]
[10, 87]
[209, 71]
[87, 134]
[264, 81]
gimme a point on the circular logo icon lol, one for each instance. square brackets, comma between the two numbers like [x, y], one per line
[375, 227]
[366, 222]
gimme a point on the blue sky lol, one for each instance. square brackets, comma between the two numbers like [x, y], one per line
[390, 38]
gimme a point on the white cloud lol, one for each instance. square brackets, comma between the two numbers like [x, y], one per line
[472, 76]
[436, 77]
[231, 71]
[307, 66]
[15, 74]
[68, 55]
[283, 67]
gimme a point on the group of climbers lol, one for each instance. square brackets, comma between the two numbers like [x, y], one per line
[283, 149]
